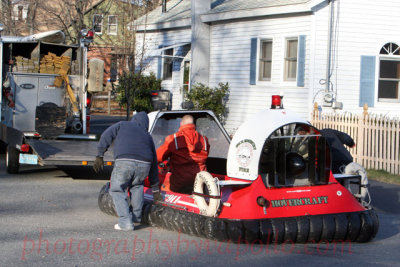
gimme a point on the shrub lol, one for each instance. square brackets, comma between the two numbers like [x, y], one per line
[138, 87]
[204, 97]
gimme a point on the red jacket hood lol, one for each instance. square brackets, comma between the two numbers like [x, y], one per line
[191, 136]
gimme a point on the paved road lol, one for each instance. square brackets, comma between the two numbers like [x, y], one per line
[50, 217]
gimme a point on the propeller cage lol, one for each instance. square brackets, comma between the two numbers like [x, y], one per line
[295, 155]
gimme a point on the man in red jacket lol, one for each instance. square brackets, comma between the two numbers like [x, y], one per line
[188, 151]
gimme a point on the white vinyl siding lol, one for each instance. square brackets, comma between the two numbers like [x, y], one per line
[230, 62]
[360, 32]
[363, 30]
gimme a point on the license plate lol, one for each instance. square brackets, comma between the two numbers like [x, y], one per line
[28, 159]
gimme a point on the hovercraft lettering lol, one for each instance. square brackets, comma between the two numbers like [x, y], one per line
[299, 202]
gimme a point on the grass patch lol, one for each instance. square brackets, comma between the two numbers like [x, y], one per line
[383, 176]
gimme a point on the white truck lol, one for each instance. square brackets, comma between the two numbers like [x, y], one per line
[44, 102]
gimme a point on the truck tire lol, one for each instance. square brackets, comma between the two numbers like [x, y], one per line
[12, 160]
[3, 147]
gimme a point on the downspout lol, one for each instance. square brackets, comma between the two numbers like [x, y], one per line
[329, 52]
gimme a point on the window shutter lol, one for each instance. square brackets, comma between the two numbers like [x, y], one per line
[301, 61]
[253, 61]
[159, 66]
[367, 81]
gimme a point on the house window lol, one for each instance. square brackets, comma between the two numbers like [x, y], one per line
[20, 12]
[290, 59]
[389, 73]
[186, 75]
[167, 65]
[265, 60]
[112, 24]
[98, 23]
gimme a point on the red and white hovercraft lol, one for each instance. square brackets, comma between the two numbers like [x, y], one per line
[271, 183]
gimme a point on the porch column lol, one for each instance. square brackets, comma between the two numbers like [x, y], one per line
[200, 45]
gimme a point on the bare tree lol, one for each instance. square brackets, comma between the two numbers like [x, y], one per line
[126, 43]
[7, 18]
[69, 16]
[123, 44]
[34, 5]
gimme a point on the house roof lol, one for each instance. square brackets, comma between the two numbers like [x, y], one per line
[232, 5]
[235, 9]
[179, 14]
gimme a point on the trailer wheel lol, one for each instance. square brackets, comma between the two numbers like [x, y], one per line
[12, 160]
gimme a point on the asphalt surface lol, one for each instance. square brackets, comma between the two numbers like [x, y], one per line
[49, 217]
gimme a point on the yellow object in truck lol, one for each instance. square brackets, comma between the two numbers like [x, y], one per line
[58, 83]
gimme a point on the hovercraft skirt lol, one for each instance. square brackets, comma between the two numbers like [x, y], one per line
[354, 226]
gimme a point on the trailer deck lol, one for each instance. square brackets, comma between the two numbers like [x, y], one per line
[67, 152]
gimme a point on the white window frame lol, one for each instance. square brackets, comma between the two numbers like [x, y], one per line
[16, 10]
[390, 56]
[259, 59]
[100, 24]
[286, 59]
[115, 24]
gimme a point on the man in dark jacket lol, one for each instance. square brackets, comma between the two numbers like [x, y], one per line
[135, 159]
[341, 157]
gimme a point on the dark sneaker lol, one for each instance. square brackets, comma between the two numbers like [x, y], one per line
[117, 227]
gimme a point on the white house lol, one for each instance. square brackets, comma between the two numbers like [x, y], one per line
[341, 54]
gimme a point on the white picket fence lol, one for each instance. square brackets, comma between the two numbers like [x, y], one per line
[377, 137]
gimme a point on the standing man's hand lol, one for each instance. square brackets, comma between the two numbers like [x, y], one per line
[156, 196]
[98, 164]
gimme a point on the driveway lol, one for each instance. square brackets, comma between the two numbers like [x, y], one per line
[49, 217]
